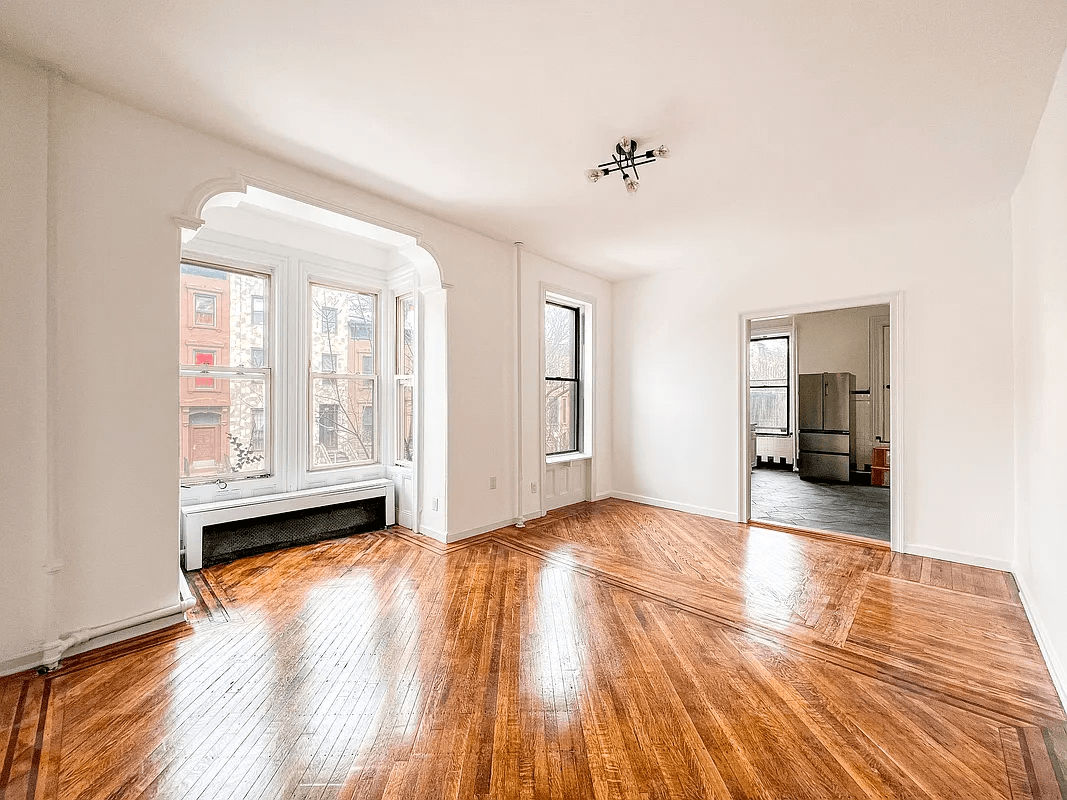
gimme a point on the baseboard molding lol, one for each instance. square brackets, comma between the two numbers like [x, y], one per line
[688, 509]
[459, 536]
[1052, 661]
[21, 662]
[433, 533]
[957, 556]
[603, 495]
[35, 658]
[127, 633]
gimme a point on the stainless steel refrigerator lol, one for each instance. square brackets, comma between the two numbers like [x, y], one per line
[827, 423]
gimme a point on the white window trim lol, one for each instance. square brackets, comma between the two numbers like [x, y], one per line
[290, 270]
[192, 488]
[344, 285]
[586, 305]
[401, 379]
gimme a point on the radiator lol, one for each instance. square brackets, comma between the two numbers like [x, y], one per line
[222, 531]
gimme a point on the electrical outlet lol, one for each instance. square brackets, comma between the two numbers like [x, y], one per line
[533, 488]
[492, 482]
[435, 504]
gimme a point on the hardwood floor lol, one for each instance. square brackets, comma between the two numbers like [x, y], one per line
[610, 650]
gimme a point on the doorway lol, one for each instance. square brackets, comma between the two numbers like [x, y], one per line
[818, 421]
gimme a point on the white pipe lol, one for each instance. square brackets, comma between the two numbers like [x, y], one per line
[54, 651]
[520, 478]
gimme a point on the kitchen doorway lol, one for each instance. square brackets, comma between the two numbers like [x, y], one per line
[818, 421]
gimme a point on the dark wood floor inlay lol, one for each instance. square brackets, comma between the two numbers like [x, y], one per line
[609, 650]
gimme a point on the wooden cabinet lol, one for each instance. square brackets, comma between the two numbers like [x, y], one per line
[880, 465]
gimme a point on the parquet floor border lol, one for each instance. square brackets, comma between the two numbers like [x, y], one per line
[1033, 737]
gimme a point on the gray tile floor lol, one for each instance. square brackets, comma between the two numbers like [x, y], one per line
[781, 496]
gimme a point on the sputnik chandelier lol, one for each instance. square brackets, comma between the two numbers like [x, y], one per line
[626, 160]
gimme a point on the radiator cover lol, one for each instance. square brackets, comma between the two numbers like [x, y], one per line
[226, 541]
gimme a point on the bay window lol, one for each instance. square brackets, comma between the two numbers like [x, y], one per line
[343, 393]
[225, 386]
[405, 368]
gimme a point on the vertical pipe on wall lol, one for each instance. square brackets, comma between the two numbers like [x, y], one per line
[54, 559]
[519, 476]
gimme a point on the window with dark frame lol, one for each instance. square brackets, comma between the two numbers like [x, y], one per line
[563, 379]
[768, 384]
[329, 362]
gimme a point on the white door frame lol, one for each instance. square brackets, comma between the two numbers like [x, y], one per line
[895, 301]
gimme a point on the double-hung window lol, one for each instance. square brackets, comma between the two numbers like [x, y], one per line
[768, 384]
[342, 377]
[405, 378]
[563, 379]
[224, 422]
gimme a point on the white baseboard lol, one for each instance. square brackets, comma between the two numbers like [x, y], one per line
[1052, 661]
[458, 536]
[433, 533]
[38, 656]
[603, 495]
[689, 509]
[955, 555]
[127, 633]
[27, 659]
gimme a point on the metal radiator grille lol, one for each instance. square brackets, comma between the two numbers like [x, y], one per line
[226, 541]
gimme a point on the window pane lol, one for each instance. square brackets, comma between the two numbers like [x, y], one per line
[560, 325]
[224, 431]
[342, 422]
[768, 360]
[769, 408]
[222, 312]
[561, 406]
[406, 416]
[406, 336]
[342, 330]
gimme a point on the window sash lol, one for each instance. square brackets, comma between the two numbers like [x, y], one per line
[576, 380]
[401, 382]
[754, 385]
[375, 457]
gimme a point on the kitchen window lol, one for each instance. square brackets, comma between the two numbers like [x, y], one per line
[768, 382]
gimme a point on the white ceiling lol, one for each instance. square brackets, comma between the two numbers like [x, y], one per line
[781, 115]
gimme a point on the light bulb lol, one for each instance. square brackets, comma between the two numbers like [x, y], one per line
[626, 143]
[632, 185]
[662, 151]
[594, 175]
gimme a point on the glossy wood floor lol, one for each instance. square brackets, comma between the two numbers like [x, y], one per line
[611, 650]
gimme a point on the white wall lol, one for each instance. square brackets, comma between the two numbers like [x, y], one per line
[1040, 298]
[837, 341]
[23, 334]
[119, 177]
[677, 367]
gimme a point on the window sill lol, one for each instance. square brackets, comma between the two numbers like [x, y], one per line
[563, 458]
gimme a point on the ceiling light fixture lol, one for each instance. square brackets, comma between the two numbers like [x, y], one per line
[626, 160]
